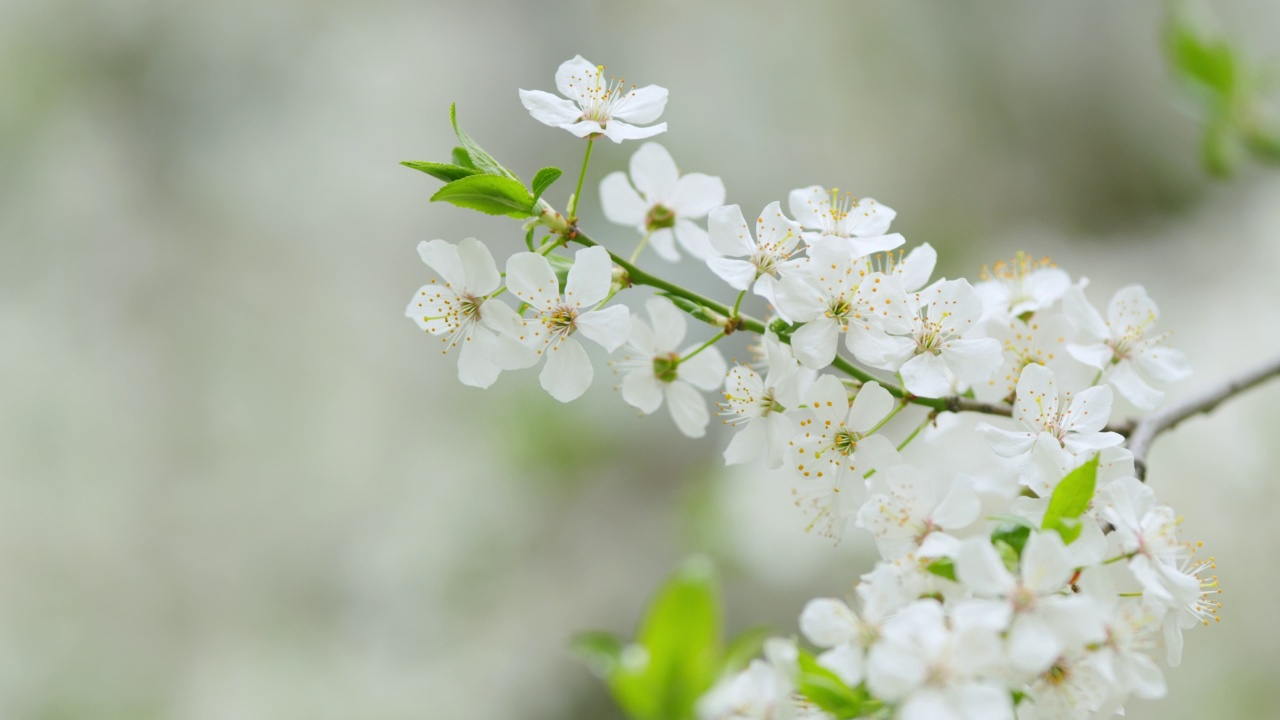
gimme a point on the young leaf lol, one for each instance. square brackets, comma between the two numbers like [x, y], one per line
[599, 651]
[482, 160]
[488, 194]
[826, 690]
[1013, 534]
[461, 157]
[1070, 499]
[943, 567]
[743, 648]
[440, 171]
[543, 179]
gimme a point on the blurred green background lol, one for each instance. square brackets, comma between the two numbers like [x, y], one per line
[236, 483]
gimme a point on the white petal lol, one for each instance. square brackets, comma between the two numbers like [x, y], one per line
[926, 375]
[663, 242]
[915, 269]
[1127, 382]
[618, 131]
[584, 128]
[1095, 356]
[654, 173]
[1036, 402]
[1006, 443]
[642, 105]
[870, 406]
[669, 324]
[1163, 364]
[973, 360]
[641, 339]
[979, 567]
[738, 273]
[846, 661]
[1046, 564]
[1083, 315]
[475, 361]
[1033, 646]
[589, 278]
[704, 370]
[531, 278]
[827, 622]
[959, 508]
[511, 354]
[870, 218]
[876, 452]
[478, 267]
[728, 231]
[692, 238]
[748, 443]
[815, 342]
[696, 194]
[780, 429]
[549, 109]
[688, 408]
[620, 202]
[567, 373]
[1089, 410]
[443, 257]
[810, 206]
[828, 399]
[577, 78]
[641, 390]
[1130, 307]
[609, 327]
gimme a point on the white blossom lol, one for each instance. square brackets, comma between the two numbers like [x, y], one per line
[662, 204]
[1074, 427]
[912, 507]
[759, 406]
[1024, 286]
[745, 261]
[567, 373]
[656, 370]
[597, 105]
[861, 223]
[463, 311]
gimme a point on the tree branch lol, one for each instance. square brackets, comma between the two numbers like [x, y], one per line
[1143, 431]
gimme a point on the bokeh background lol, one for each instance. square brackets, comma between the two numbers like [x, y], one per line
[236, 483]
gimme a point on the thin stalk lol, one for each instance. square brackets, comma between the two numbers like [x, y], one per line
[573, 201]
[715, 339]
[643, 241]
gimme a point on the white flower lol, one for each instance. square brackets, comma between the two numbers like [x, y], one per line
[663, 204]
[830, 623]
[913, 506]
[655, 369]
[939, 316]
[835, 296]
[1123, 345]
[1072, 689]
[1075, 429]
[767, 254]
[834, 448]
[462, 311]
[764, 691]
[759, 406]
[1011, 290]
[567, 373]
[934, 671]
[1042, 340]
[596, 104]
[861, 223]
[1042, 623]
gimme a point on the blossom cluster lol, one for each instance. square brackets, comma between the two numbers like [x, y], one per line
[967, 427]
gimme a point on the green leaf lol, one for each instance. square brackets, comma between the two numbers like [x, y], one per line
[599, 651]
[681, 634]
[943, 567]
[826, 690]
[743, 649]
[1070, 500]
[1012, 534]
[488, 194]
[482, 160]
[1208, 62]
[543, 179]
[440, 171]
[461, 157]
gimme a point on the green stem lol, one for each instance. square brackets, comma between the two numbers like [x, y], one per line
[703, 346]
[915, 432]
[896, 409]
[643, 241]
[573, 201]
[738, 303]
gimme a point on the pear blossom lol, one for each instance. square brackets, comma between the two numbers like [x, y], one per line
[758, 406]
[1040, 412]
[744, 261]
[656, 370]
[597, 105]
[862, 223]
[1123, 346]
[836, 296]
[835, 447]
[567, 372]
[463, 311]
[662, 204]
[912, 507]
[935, 346]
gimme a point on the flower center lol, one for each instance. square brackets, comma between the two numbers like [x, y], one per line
[659, 217]
[845, 442]
[665, 366]
[561, 321]
[604, 98]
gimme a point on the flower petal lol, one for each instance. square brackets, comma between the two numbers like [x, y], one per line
[692, 238]
[531, 278]
[609, 327]
[669, 324]
[738, 273]
[443, 257]
[589, 278]
[577, 79]
[728, 231]
[663, 242]
[475, 361]
[696, 194]
[618, 131]
[620, 202]
[705, 370]
[747, 444]
[478, 267]
[870, 406]
[926, 375]
[654, 173]
[688, 408]
[642, 105]
[549, 109]
[815, 342]
[567, 372]
[641, 390]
